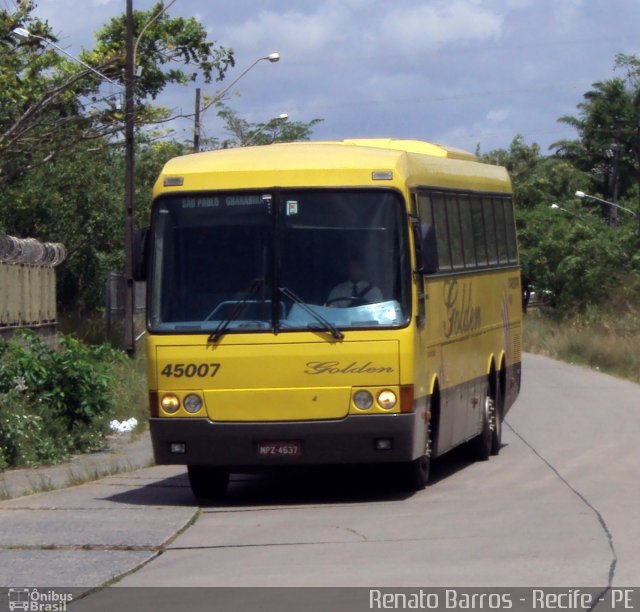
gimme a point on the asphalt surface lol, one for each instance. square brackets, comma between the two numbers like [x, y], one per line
[557, 507]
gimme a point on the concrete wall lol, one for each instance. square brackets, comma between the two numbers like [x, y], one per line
[28, 290]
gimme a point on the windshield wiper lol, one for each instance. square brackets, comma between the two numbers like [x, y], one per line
[335, 332]
[222, 326]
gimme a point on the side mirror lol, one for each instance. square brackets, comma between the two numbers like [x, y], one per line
[140, 254]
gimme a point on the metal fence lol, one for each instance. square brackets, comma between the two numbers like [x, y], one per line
[114, 312]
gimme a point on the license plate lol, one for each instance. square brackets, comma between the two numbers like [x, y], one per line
[279, 449]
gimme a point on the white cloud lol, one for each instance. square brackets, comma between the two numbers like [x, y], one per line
[518, 4]
[430, 26]
[457, 71]
[498, 115]
[374, 29]
[302, 34]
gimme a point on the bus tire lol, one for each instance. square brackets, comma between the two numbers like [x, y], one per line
[496, 423]
[480, 447]
[414, 475]
[208, 483]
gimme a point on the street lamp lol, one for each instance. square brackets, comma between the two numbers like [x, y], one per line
[581, 195]
[272, 58]
[281, 117]
[24, 34]
[555, 206]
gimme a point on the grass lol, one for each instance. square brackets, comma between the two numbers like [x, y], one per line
[75, 477]
[40, 484]
[130, 392]
[606, 339]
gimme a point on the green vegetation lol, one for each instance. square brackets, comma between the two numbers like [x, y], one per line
[61, 140]
[56, 402]
[579, 255]
[598, 339]
[129, 391]
[584, 259]
[61, 179]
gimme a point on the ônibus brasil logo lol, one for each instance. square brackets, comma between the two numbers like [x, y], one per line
[34, 600]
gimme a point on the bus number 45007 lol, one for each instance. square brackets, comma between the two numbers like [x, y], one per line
[190, 370]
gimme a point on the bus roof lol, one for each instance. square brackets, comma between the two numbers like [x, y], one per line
[413, 146]
[358, 162]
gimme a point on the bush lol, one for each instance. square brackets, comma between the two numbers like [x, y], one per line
[53, 402]
[605, 337]
[579, 262]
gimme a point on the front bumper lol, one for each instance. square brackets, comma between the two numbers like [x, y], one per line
[234, 445]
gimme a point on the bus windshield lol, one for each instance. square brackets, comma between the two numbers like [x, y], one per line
[279, 261]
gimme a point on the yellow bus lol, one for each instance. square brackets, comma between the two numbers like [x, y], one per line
[327, 303]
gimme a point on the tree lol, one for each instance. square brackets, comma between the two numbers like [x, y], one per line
[50, 103]
[537, 179]
[151, 156]
[575, 262]
[167, 50]
[39, 101]
[61, 162]
[242, 133]
[608, 126]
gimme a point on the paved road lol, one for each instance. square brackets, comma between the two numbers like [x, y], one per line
[558, 507]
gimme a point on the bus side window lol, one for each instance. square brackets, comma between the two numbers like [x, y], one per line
[428, 246]
[479, 234]
[455, 232]
[501, 235]
[442, 234]
[467, 231]
[424, 209]
[490, 230]
[512, 250]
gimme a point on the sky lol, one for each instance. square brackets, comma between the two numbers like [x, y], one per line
[465, 73]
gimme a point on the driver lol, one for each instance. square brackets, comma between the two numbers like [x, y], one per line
[355, 291]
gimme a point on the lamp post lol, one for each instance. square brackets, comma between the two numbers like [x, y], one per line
[581, 195]
[272, 58]
[129, 119]
[129, 185]
[281, 117]
[24, 34]
[555, 206]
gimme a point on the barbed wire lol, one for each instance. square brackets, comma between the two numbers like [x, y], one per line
[31, 251]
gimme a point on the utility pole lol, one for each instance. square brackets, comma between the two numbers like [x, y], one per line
[272, 57]
[196, 123]
[129, 188]
[613, 154]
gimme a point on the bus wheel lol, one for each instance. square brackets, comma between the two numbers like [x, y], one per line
[480, 447]
[415, 474]
[208, 482]
[496, 424]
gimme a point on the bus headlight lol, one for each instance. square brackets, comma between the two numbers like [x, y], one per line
[170, 403]
[192, 403]
[363, 400]
[387, 399]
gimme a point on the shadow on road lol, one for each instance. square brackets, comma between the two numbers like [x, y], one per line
[321, 485]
